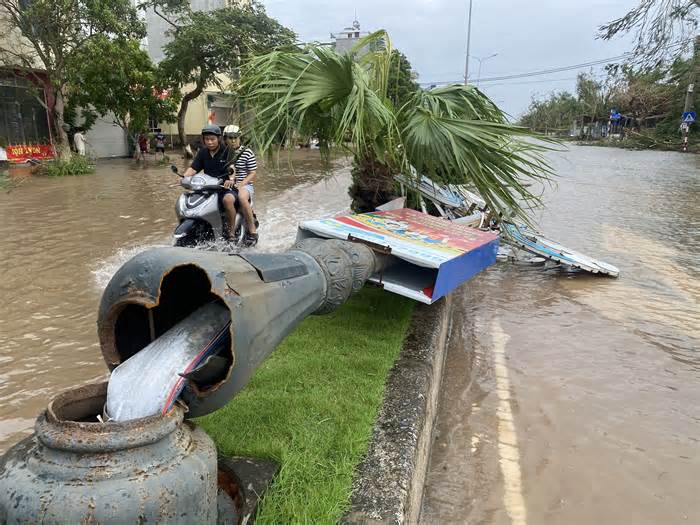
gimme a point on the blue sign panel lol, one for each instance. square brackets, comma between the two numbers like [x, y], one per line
[689, 117]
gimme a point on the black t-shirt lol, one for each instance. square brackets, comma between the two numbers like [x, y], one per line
[213, 166]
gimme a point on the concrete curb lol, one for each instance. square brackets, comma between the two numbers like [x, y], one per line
[388, 483]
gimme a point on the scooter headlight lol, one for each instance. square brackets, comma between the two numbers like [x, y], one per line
[197, 183]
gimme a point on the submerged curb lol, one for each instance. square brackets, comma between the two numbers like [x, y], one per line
[388, 483]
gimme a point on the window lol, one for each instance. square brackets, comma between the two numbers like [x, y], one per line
[23, 119]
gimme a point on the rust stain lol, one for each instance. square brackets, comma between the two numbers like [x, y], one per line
[227, 482]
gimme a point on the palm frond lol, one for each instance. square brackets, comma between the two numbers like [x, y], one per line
[457, 135]
[452, 134]
[318, 91]
[373, 52]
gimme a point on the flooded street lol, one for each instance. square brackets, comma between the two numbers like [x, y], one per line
[567, 398]
[62, 239]
[571, 399]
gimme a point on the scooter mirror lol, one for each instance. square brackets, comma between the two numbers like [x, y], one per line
[173, 168]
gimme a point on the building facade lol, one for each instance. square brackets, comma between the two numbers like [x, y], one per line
[26, 125]
[211, 107]
[346, 39]
[23, 117]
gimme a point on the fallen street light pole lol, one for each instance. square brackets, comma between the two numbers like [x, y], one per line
[78, 469]
[267, 295]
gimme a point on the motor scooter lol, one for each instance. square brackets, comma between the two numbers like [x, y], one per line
[201, 219]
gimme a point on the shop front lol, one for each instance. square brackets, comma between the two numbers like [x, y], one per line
[25, 130]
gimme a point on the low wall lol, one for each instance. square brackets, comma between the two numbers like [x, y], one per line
[388, 484]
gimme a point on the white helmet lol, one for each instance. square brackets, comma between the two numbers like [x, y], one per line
[232, 131]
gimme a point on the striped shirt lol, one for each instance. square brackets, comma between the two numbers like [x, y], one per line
[245, 163]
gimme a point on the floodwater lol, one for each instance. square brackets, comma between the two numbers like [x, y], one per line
[62, 239]
[567, 398]
[572, 399]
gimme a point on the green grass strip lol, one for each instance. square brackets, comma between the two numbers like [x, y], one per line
[312, 405]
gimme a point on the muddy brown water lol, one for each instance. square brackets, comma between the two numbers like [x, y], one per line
[61, 240]
[570, 399]
[567, 398]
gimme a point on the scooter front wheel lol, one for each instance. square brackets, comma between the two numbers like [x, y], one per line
[185, 242]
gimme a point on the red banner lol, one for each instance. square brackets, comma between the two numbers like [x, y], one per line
[23, 152]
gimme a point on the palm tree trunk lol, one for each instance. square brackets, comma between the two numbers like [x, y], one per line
[372, 184]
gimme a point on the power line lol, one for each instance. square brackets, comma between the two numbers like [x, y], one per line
[532, 81]
[539, 81]
[545, 71]
[560, 69]
[624, 56]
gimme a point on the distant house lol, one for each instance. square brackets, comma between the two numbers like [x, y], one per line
[588, 127]
[343, 41]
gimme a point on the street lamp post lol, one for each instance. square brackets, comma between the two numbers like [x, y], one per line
[469, 34]
[481, 60]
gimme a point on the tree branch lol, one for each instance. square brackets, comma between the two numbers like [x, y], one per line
[174, 26]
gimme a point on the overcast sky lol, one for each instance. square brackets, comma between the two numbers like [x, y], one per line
[527, 35]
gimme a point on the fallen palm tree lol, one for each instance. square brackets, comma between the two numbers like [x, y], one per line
[452, 134]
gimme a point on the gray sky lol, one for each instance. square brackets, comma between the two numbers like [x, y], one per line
[527, 35]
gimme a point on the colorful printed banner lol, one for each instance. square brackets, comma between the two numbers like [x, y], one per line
[442, 254]
[23, 152]
[425, 238]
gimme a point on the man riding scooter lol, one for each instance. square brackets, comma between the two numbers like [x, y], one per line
[218, 160]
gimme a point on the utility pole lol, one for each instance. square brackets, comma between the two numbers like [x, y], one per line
[689, 102]
[469, 34]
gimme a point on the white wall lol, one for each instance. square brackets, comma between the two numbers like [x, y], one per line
[157, 28]
[105, 139]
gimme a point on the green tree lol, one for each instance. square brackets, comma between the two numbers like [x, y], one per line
[208, 47]
[451, 134]
[654, 98]
[591, 96]
[642, 93]
[553, 114]
[402, 84]
[117, 77]
[48, 33]
[662, 28]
